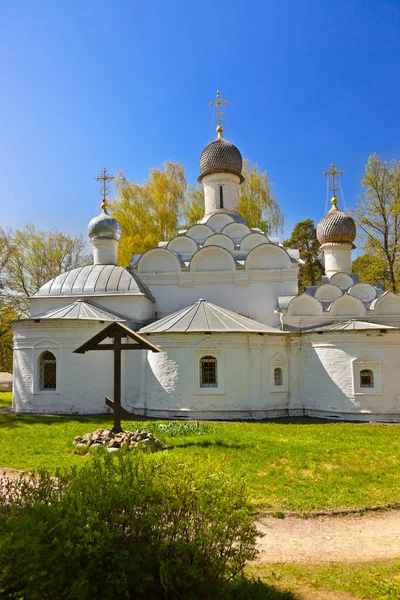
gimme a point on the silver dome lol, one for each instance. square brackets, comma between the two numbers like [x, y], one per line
[104, 227]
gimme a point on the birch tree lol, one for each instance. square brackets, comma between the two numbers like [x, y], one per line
[377, 214]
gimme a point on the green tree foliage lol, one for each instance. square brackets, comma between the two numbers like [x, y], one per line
[7, 314]
[126, 527]
[257, 203]
[35, 258]
[193, 205]
[372, 269]
[378, 213]
[304, 239]
[149, 213]
[154, 211]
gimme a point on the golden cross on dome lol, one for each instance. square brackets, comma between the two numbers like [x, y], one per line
[220, 115]
[333, 183]
[105, 178]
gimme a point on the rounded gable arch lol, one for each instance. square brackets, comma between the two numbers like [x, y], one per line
[328, 292]
[342, 280]
[267, 256]
[236, 231]
[347, 306]
[199, 233]
[304, 306]
[252, 240]
[364, 291]
[218, 221]
[212, 258]
[158, 260]
[183, 245]
[387, 305]
[222, 240]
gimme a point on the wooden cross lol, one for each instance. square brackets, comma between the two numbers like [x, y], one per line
[117, 331]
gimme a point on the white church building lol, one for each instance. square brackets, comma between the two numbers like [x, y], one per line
[221, 301]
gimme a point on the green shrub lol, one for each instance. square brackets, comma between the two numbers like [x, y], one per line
[177, 428]
[125, 526]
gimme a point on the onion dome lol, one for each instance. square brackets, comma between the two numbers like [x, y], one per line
[104, 227]
[336, 226]
[220, 157]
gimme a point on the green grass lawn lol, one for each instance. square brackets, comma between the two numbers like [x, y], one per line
[5, 399]
[377, 580]
[288, 466]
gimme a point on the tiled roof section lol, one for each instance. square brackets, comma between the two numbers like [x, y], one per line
[336, 226]
[202, 317]
[81, 309]
[350, 325]
[220, 157]
[95, 280]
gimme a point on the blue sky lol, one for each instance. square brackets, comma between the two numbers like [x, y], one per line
[126, 85]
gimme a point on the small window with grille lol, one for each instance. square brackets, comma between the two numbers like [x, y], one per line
[366, 378]
[208, 372]
[47, 371]
[278, 377]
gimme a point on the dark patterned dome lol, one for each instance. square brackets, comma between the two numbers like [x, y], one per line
[337, 227]
[221, 157]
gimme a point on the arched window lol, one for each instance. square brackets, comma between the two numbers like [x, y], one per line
[221, 197]
[366, 378]
[47, 371]
[208, 372]
[278, 376]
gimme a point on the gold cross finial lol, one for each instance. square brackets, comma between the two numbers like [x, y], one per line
[333, 183]
[104, 177]
[220, 115]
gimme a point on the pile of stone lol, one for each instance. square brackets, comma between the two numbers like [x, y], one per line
[142, 440]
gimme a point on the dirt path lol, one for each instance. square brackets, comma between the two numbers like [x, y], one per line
[322, 539]
[372, 536]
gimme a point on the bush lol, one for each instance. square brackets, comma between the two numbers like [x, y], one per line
[125, 526]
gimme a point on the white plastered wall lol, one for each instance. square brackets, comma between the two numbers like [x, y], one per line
[327, 371]
[83, 380]
[231, 187]
[244, 377]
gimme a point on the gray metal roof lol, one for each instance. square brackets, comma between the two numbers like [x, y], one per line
[204, 316]
[81, 309]
[95, 280]
[351, 325]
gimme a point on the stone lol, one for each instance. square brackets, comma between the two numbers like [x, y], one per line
[82, 445]
[112, 449]
[113, 444]
[96, 445]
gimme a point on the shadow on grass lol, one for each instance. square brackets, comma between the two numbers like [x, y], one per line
[11, 420]
[210, 444]
[255, 589]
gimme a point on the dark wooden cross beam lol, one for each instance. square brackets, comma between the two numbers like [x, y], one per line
[117, 331]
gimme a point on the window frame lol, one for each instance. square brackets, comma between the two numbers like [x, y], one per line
[40, 359]
[41, 348]
[278, 361]
[364, 373]
[366, 363]
[205, 360]
[203, 351]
